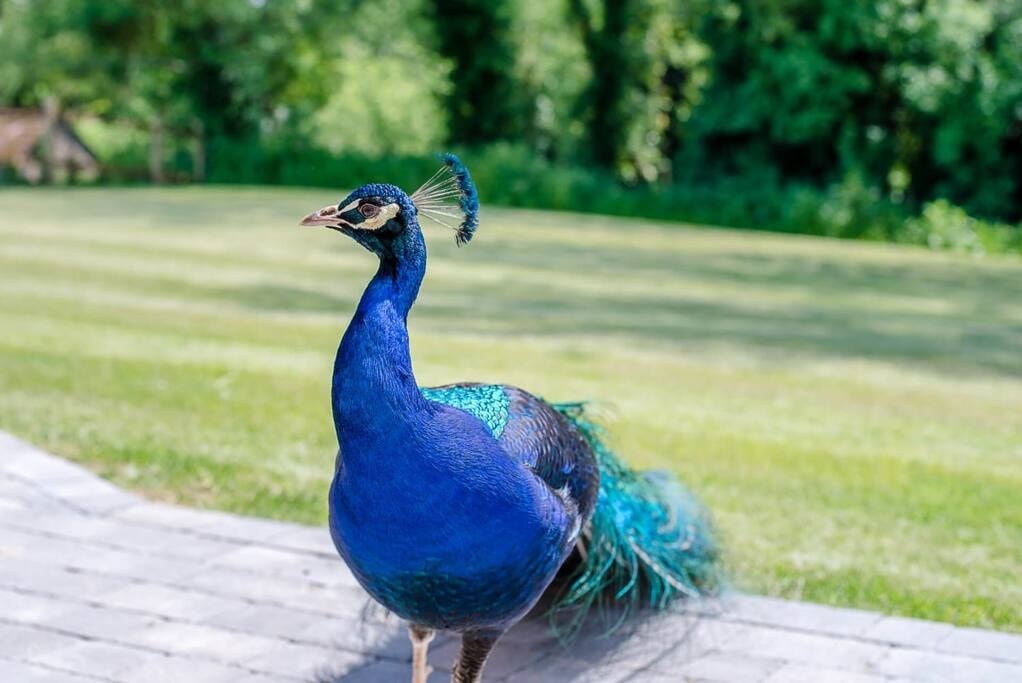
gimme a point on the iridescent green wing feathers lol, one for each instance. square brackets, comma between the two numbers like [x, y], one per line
[488, 402]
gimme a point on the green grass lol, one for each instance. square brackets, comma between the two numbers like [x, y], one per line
[852, 412]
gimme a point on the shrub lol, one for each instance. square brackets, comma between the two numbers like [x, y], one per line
[512, 175]
[942, 225]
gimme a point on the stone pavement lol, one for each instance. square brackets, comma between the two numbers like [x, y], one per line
[99, 585]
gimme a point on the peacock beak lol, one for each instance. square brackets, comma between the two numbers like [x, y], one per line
[328, 215]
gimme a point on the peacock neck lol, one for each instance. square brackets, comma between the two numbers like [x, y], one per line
[373, 383]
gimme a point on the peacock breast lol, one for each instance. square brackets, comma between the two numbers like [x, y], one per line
[443, 528]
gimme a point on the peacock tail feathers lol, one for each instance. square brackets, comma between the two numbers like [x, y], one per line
[649, 542]
[448, 193]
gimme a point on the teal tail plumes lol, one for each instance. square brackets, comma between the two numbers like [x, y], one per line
[649, 542]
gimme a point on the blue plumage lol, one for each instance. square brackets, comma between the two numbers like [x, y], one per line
[457, 506]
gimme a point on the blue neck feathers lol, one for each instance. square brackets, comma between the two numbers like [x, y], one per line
[374, 388]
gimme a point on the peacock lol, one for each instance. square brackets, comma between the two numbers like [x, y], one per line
[456, 507]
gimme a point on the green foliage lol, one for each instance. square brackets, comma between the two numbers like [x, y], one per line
[832, 118]
[921, 99]
[609, 34]
[123, 150]
[403, 118]
[55, 49]
[511, 175]
[483, 102]
[227, 68]
[942, 225]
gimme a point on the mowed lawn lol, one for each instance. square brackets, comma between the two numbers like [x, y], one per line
[851, 412]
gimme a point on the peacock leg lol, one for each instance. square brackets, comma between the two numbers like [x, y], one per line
[421, 637]
[475, 648]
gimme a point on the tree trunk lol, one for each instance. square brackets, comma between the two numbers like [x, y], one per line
[609, 60]
[51, 118]
[673, 83]
[156, 151]
[199, 154]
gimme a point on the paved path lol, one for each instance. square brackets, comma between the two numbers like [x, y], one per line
[99, 585]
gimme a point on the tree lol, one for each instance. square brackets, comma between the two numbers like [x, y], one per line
[230, 69]
[919, 99]
[646, 72]
[483, 103]
[612, 36]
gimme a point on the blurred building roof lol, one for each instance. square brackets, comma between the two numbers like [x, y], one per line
[23, 133]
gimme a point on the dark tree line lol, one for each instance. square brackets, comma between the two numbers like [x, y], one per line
[920, 99]
[916, 99]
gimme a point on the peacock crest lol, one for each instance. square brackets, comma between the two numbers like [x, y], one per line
[449, 199]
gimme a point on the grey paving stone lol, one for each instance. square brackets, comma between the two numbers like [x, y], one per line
[909, 632]
[936, 667]
[576, 671]
[27, 608]
[307, 662]
[33, 576]
[381, 640]
[617, 657]
[157, 514]
[800, 615]
[309, 539]
[163, 669]
[117, 589]
[726, 668]
[524, 646]
[9, 505]
[119, 535]
[255, 678]
[9, 444]
[168, 542]
[280, 622]
[265, 559]
[208, 522]
[196, 640]
[293, 565]
[24, 545]
[32, 465]
[384, 672]
[244, 528]
[91, 494]
[342, 602]
[802, 673]
[17, 491]
[168, 602]
[703, 636]
[375, 672]
[822, 650]
[100, 622]
[96, 657]
[22, 642]
[23, 672]
[64, 522]
[986, 644]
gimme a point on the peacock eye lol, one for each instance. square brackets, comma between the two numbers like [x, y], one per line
[369, 210]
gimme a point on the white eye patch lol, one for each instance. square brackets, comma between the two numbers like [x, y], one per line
[380, 219]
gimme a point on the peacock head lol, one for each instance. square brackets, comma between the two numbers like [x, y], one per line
[384, 219]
